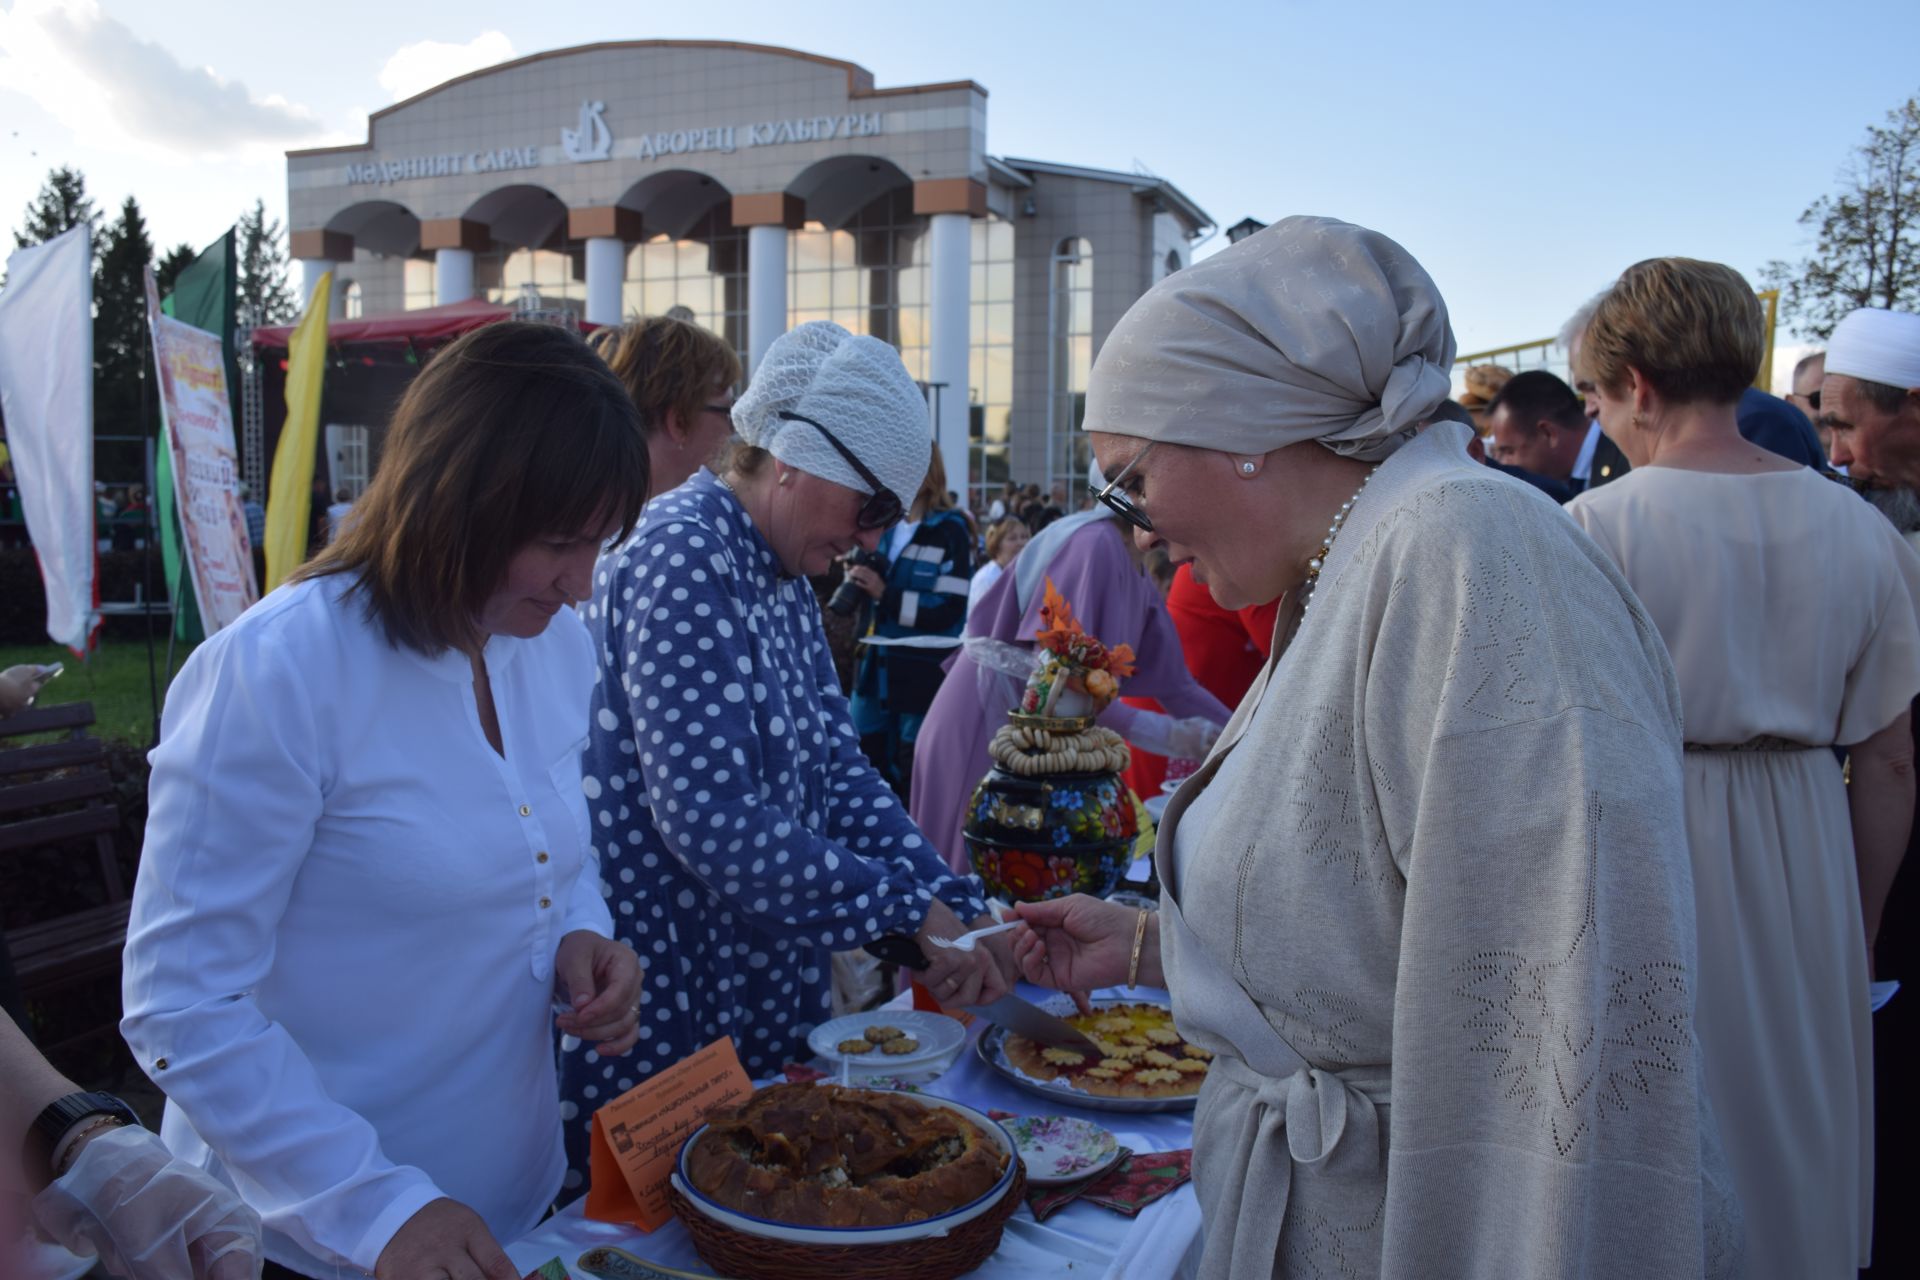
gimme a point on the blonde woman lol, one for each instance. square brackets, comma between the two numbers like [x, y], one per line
[1005, 540]
[1789, 608]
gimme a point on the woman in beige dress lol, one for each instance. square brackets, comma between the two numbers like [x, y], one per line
[1788, 605]
[1452, 1023]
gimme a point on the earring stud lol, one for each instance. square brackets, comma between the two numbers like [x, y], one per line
[1246, 468]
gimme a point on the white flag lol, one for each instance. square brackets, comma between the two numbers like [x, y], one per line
[46, 396]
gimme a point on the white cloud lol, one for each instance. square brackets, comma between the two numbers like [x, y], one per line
[120, 92]
[415, 68]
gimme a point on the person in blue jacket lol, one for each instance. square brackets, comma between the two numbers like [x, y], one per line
[929, 569]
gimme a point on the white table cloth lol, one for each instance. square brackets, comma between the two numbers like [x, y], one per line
[1162, 1242]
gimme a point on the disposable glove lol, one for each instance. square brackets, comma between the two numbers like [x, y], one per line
[149, 1216]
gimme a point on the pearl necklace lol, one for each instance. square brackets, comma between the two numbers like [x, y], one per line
[1319, 561]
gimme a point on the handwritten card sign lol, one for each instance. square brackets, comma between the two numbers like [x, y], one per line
[637, 1136]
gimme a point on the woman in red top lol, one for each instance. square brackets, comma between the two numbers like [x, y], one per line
[1224, 649]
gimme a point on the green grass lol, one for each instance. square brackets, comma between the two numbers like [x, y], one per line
[114, 680]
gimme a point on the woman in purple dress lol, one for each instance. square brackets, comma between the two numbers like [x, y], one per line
[1087, 557]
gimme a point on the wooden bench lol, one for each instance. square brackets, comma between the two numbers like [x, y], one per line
[59, 794]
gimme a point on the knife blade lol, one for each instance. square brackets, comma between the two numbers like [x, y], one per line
[1033, 1022]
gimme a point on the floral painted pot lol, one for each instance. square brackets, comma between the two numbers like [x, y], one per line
[1048, 836]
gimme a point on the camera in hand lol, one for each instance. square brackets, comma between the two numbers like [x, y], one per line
[847, 596]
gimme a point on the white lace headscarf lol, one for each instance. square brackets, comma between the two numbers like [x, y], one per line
[1313, 329]
[855, 387]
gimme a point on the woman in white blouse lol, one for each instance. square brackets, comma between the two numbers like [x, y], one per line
[366, 879]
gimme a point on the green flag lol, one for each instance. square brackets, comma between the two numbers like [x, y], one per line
[205, 295]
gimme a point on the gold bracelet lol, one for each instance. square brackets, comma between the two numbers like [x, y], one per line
[68, 1148]
[1139, 938]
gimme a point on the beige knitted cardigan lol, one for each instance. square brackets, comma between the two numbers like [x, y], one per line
[1429, 901]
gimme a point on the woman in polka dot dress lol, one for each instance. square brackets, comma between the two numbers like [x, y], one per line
[743, 836]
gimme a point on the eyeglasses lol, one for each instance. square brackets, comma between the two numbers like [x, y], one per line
[726, 409]
[882, 506]
[1812, 398]
[1120, 502]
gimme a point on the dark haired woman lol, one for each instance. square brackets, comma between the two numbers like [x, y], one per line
[681, 377]
[367, 876]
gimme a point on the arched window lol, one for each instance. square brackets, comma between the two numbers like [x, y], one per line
[352, 306]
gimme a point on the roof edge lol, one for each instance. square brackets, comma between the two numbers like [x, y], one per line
[1141, 183]
[859, 79]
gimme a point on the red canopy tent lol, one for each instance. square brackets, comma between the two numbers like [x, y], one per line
[424, 327]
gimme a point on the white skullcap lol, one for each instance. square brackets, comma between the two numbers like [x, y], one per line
[855, 387]
[1875, 345]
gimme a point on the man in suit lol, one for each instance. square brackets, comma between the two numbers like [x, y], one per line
[1539, 425]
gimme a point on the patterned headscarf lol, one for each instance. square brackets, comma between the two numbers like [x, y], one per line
[1313, 329]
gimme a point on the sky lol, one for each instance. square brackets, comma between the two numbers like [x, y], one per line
[1524, 153]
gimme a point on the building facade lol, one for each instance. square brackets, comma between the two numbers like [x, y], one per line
[756, 188]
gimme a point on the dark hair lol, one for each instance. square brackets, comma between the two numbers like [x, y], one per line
[512, 432]
[668, 364]
[1537, 394]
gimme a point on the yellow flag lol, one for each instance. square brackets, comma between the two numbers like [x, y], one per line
[290, 493]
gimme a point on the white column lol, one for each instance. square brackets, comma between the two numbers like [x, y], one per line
[452, 275]
[606, 273]
[766, 290]
[949, 323]
[311, 269]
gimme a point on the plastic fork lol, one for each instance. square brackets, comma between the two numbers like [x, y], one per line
[966, 940]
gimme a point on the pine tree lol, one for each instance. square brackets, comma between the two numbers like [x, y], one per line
[121, 355]
[1867, 248]
[177, 259]
[263, 268]
[62, 204]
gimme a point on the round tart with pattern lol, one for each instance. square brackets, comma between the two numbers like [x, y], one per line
[1142, 1055]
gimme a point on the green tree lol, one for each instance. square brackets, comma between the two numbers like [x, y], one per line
[263, 268]
[123, 403]
[62, 204]
[177, 259]
[1866, 235]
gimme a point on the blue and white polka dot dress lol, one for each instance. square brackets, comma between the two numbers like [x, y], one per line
[742, 836]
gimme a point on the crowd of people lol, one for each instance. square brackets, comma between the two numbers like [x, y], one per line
[1550, 746]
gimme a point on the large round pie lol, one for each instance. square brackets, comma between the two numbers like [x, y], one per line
[823, 1156]
[1142, 1055]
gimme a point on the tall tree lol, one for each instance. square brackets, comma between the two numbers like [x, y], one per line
[1866, 235]
[176, 260]
[263, 268]
[123, 403]
[62, 204]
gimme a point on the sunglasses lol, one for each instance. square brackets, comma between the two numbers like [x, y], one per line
[1120, 502]
[882, 507]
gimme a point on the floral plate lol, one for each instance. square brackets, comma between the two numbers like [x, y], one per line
[1059, 1149]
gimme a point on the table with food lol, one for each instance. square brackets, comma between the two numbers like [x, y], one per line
[977, 1150]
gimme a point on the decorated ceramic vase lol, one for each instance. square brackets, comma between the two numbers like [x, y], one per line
[1033, 838]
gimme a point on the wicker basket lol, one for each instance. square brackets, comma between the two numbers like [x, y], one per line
[747, 1257]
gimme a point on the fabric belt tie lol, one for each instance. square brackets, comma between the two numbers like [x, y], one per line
[1766, 742]
[1331, 1124]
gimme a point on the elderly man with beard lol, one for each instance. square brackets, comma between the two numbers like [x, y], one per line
[1870, 411]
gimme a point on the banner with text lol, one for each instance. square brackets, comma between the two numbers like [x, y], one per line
[197, 417]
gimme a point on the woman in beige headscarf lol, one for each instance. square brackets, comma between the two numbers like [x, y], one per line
[1452, 1024]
